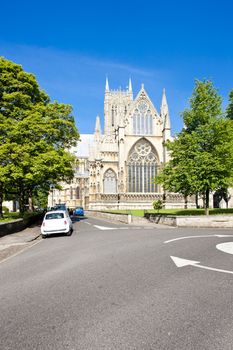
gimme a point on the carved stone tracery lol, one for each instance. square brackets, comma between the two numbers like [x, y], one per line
[142, 152]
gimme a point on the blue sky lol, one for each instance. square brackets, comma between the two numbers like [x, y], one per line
[71, 46]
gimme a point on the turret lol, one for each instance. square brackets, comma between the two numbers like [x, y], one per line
[164, 112]
[106, 85]
[130, 86]
[97, 127]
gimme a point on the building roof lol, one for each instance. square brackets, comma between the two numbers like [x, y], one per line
[83, 145]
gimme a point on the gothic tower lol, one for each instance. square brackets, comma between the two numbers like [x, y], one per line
[116, 105]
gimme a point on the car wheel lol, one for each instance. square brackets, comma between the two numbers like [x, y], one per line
[70, 232]
[43, 236]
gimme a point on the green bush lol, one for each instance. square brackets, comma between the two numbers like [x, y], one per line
[5, 209]
[158, 205]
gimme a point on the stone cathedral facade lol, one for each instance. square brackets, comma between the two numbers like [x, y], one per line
[116, 168]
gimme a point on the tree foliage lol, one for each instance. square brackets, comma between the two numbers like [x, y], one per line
[202, 154]
[35, 136]
[158, 205]
[229, 112]
[205, 104]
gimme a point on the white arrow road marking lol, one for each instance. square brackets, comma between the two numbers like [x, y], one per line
[105, 228]
[180, 238]
[179, 262]
[225, 247]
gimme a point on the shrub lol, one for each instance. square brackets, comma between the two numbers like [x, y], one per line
[158, 205]
[5, 210]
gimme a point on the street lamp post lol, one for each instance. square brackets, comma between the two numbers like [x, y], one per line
[52, 189]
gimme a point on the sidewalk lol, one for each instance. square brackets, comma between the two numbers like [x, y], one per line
[13, 243]
[141, 221]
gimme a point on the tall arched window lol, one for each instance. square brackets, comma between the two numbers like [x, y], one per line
[142, 120]
[110, 182]
[142, 168]
[77, 192]
[71, 193]
[112, 116]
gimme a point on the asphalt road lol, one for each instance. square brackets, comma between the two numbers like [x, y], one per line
[118, 288]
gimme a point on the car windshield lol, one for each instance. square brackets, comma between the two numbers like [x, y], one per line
[79, 208]
[60, 207]
[51, 216]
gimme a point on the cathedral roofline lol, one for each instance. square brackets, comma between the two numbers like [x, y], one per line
[82, 149]
[128, 90]
[143, 91]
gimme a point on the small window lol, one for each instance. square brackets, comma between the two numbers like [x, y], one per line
[52, 216]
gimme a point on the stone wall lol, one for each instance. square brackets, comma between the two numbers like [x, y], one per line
[218, 221]
[125, 218]
[17, 225]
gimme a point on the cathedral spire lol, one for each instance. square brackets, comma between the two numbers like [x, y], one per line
[97, 126]
[130, 85]
[164, 112]
[164, 98]
[106, 85]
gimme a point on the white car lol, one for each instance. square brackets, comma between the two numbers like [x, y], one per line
[57, 221]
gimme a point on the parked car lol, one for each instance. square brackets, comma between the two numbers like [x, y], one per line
[57, 221]
[78, 211]
[60, 207]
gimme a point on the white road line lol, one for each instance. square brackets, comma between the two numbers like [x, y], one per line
[121, 228]
[21, 251]
[201, 236]
[226, 247]
[105, 228]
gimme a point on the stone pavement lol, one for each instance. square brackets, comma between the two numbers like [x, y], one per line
[13, 243]
[138, 220]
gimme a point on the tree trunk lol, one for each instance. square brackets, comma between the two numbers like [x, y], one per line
[21, 199]
[21, 204]
[185, 202]
[207, 197]
[1, 199]
[30, 201]
[196, 200]
[164, 198]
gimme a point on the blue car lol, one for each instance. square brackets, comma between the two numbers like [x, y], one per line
[79, 211]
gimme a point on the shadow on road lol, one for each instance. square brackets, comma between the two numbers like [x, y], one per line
[78, 218]
[56, 235]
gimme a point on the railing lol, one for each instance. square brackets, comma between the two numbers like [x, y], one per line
[130, 196]
[121, 197]
[81, 174]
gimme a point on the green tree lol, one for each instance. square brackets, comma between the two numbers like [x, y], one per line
[205, 105]
[202, 154]
[158, 205]
[35, 136]
[176, 175]
[229, 111]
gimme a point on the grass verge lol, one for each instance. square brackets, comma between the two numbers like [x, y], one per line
[141, 212]
[7, 217]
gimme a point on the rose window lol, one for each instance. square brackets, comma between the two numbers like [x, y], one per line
[142, 168]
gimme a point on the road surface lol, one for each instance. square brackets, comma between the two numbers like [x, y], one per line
[112, 286]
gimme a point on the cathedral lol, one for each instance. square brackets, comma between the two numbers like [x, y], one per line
[115, 169]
